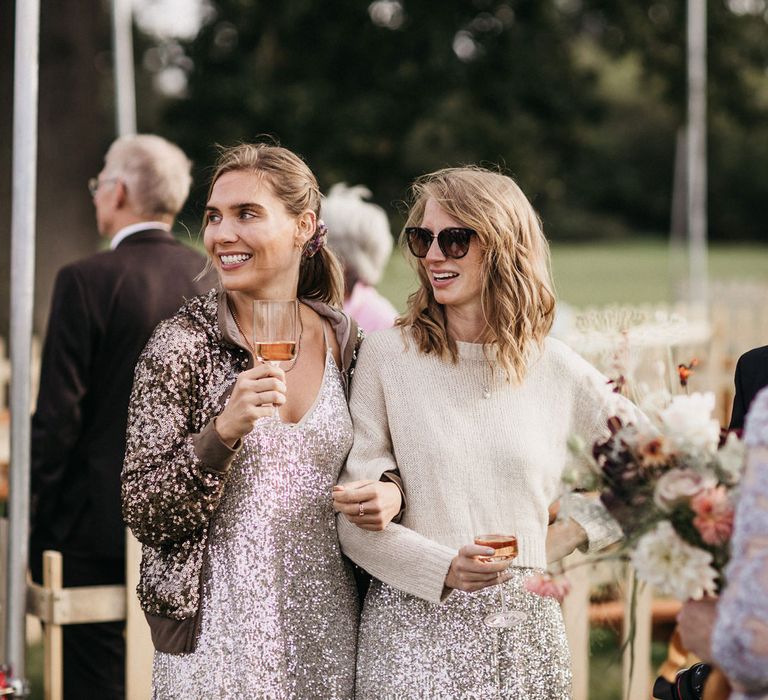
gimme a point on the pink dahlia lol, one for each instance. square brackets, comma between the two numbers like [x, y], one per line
[546, 586]
[714, 515]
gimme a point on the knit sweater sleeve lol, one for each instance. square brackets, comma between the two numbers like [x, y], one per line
[593, 403]
[399, 556]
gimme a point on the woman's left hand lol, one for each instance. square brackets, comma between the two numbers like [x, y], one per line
[695, 622]
[370, 505]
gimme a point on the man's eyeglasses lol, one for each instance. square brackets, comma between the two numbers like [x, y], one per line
[453, 242]
[94, 183]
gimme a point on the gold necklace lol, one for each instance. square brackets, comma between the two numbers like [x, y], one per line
[250, 345]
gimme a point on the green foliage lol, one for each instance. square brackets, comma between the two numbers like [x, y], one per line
[654, 34]
[580, 100]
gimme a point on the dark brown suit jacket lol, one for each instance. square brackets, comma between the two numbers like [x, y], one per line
[103, 311]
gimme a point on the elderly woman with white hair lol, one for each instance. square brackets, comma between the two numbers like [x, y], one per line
[359, 234]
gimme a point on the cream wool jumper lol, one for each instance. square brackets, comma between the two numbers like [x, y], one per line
[476, 454]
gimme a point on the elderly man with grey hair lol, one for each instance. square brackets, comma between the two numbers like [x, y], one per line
[103, 310]
[359, 234]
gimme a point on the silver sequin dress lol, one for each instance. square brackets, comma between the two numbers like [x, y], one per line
[279, 606]
[411, 648]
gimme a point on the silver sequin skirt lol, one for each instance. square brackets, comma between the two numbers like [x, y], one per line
[409, 648]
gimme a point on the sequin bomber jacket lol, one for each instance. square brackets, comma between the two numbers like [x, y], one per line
[175, 464]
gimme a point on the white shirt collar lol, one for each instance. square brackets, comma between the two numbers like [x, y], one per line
[126, 231]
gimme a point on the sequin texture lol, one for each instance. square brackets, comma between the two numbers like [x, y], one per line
[279, 606]
[168, 493]
[410, 648]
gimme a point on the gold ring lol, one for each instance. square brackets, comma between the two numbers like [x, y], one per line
[360, 510]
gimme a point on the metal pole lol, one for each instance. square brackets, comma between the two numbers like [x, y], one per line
[125, 90]
[697, 151]
[678, 230]
[22, 292]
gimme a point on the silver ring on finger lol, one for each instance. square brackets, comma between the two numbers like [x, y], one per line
[360, 509]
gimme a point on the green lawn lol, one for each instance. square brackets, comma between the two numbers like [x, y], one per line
[613, 273]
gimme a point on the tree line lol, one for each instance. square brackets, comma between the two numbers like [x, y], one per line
[580, 100]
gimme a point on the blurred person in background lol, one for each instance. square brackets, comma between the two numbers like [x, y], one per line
[732, 630]
[103, 310]
[750, 377]
[359, 234]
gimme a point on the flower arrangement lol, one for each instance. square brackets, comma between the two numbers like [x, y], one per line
[671, 484]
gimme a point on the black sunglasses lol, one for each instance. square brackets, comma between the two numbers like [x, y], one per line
[453, 242]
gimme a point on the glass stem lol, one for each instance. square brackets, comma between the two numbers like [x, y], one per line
[501, 598]
[275, 407]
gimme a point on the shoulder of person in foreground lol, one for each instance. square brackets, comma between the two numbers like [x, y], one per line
[572, 365]
[195, 324]
[389, 344]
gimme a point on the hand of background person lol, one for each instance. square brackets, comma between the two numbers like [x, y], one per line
[257, 391]
[563, 537]
[380, 500]
[695, 621]
[468, 572]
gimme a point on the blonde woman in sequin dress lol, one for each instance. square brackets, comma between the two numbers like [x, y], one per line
[473, 404]
[242, 579]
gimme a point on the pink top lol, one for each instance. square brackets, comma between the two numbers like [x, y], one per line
[371, 310]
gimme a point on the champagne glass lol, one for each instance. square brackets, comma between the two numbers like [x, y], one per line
[275, 332]
[506, 549]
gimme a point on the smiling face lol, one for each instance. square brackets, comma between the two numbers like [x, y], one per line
[456, 283]
[254, 242]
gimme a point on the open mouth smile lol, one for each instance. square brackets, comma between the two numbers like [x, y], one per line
[233, 259]
[442, 278]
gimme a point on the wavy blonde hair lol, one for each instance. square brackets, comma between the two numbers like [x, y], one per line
[517, 297]
[294, 184]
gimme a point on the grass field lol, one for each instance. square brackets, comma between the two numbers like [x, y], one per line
[617, 273]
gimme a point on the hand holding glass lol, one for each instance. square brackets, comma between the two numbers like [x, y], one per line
[506, 549]
[275, 331]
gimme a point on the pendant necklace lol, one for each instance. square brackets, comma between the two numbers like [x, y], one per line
[486, 386]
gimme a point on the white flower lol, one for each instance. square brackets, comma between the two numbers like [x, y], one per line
[654, 403]
[730, 457]
[679, 485]
[672, 566]
[688, 425]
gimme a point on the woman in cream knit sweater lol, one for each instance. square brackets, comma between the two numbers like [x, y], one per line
[473, 404]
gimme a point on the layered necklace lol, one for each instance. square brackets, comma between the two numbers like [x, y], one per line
[251, 346]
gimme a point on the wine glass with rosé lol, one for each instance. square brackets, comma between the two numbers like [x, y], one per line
[275, 332]
[505, 547]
